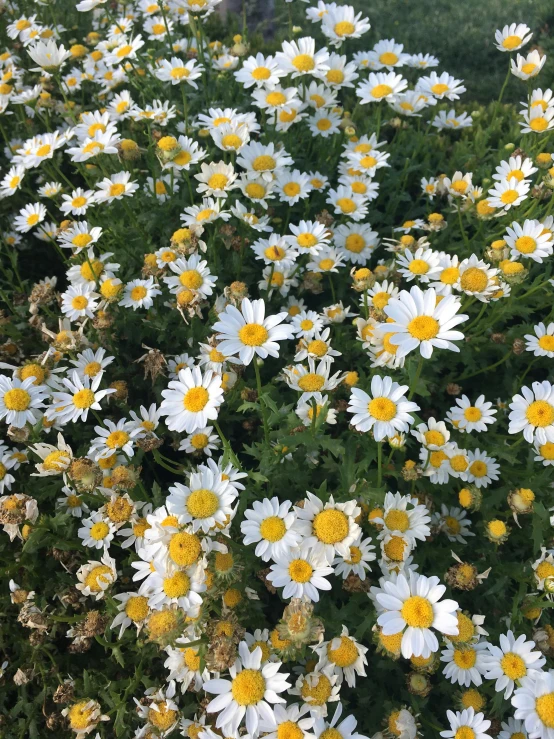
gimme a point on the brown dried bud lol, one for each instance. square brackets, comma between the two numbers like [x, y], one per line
[22, 677]
[154, 364]
[64, 693]
[221, 655]
[102, 320]
[121, 390]
[148, 443]
[518, 347]
[19, 435]
[54, 721]
[80, 645]
[36, 638]
[498, 338]
[94, 624]
[325, 217]
[249, 394]
[353, 584]
[453, 389]
[462, 576]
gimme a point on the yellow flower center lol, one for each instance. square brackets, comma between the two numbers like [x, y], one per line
[449, 275]
[199, 441]
[464, 658]
[317, 347]
[464, 732]
[176, 586]
[289, 730]
[544, 706]
[218, 181]
[263, 163]
[119, 509]
[99, 530]
[317, 694]
[79, 715]
[98, 576]
[439, 89]
[513, 666]
[497, 528]
[394, 548]
[418, 267]
[544, 570]
[78, 202]
[344, 28]
[191, 278]
[291, 189]
[117, 439]
[274, 99]
[300, 570]
[330, 526]
[81, 240]
[391, 642]
[79, 302]
[261, 73]
[164, 717]
[272, 528]
[17, 399]
[512, 42]
[184, 549]
[526, 244]
[346, 205]
[138, 293]
[57, 461]
[83, 398]
[326, 264]
[196, 399]
[388, 58]
[397, 521]
[354, 243]
[423, 328]
[303, 63]
[472, 414]
[137, 608]
[538, 124]
[546, 342]
[355, 556]
[417, 612]
[466, 630]
[248, 687]
[202, 503]
[345, 654]
[540, 413]
[383, 409]
[311, 382]
[253, 334]
[474, 279]
[509, 196]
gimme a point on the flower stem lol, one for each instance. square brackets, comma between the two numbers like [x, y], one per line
[416, 378]
[379, 463]
[262, 406]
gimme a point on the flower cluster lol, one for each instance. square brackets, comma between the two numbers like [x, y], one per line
[277, 344]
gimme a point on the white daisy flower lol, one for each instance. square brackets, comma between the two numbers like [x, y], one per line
[192, 400]
[202, 440]
[357, 561]
[95, 577]
[356, 241]
[345, 655]
[286, 718]
[542, 343]
[72, 503]
[192, 274]
[467, 416]
[20, 400]
[513, 729]
[55, 459]
[79, 301]
[512, 37]
[537, 120]
[312, 379]
[388, 54]
[259, 71]
[216, 179]
[132, 609]
[534, 704]
[263, 161]
[292, 185]
[482, 469]
[183, 663]
[248, 332]
[380, 86]
[270, 525]
[79, 236]
[508, 194]
[529, 241]
[116, 187]
[465, 664]
[385, 412]
[116, 438]
[476, 278]
[96, 532]
[208, 211]
[308, 237]
[423, 265]
[29, 217]
[168, 586]
[513, 660]
[74, 405]
[533, 413]
[301, 572]
[248, 693]
[420, 322]
[467, 722]
[348, 203]
[300, 57]
[440, 86]
[328, 528]
[318, 404]
[175, 70]
[205, 503]
[275, 250]
[405, 515]
[177, 363]
[433, 435]
[341, 22]
[517, 167]
[413, 607]
[140, 294]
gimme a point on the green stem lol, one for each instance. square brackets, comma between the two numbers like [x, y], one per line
[379, 463]
[260, 401]
[416, 378]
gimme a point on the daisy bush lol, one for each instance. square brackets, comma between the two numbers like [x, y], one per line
[277, 389]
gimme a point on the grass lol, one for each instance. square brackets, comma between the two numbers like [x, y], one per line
[461, 35]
